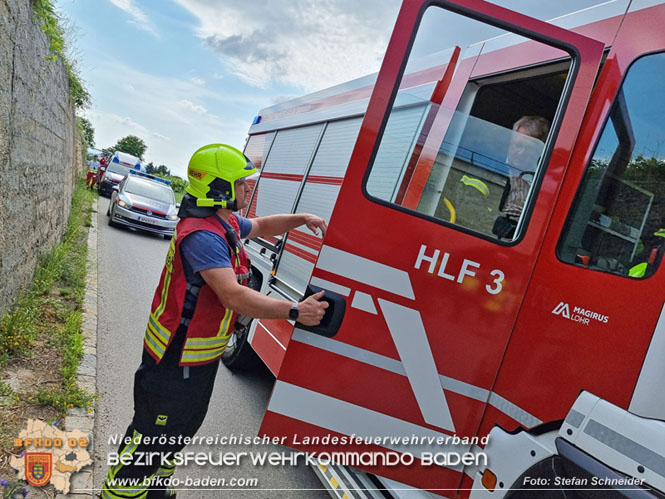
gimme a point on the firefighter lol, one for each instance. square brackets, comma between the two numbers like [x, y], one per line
[201, 289]
[91, 177]
[103, 165]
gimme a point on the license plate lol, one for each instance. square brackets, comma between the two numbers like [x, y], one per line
[148, 220]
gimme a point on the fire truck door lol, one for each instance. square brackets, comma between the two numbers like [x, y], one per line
[432, 292]
[596, 290]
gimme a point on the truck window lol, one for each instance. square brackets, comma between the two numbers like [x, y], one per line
[617, 223]
[485, 175]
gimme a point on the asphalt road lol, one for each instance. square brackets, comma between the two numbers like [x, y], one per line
[130, 264]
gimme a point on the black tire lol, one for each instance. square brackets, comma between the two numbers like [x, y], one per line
[111, 222]
[108, 210]
[168, 236]
[239, 354]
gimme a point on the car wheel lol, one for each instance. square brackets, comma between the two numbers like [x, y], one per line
[168, 236]
[108, 210]
[111, 222]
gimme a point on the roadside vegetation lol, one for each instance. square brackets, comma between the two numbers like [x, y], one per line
[41, 341]
[52, 25]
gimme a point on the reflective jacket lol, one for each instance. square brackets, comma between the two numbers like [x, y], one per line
[209, 324]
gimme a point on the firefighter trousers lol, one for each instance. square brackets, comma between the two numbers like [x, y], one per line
[170, 403]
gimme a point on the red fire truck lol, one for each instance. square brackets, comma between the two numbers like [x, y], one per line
[493, 259]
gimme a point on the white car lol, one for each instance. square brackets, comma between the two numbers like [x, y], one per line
[144, 202]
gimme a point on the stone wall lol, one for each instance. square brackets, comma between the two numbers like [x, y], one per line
[40, 149]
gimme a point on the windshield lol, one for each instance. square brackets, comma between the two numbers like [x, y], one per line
[119, 169]
[153, 190]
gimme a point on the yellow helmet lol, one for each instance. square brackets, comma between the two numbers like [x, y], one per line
[212, 173]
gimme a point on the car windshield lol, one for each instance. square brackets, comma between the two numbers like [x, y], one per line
[149, 189]
[119, 169]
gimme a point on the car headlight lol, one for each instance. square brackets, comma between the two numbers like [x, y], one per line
[172, 217]
[122, 204]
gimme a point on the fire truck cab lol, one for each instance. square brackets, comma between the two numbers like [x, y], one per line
[493, 259]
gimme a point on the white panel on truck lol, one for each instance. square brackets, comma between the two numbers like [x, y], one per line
[319, 196]
[336, 147]
[398, 141]
[283, 170]
[257, 148]
[275, 196]
[292, 150]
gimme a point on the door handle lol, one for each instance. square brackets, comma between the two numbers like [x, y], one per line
[332, 319]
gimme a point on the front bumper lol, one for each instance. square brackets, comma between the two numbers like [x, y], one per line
[143, 222]
[615, 439]
[600, 450]
[106, 187]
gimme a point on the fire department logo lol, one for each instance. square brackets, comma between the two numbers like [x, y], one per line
[38, 468]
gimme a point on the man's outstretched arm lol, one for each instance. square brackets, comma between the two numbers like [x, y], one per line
[274, 225]
[246, 301]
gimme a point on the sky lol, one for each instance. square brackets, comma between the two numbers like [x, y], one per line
[180, 74]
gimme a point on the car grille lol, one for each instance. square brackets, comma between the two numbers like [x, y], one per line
[144, 211]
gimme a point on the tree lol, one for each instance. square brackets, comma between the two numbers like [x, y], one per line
[163, 171]
[131, 145]
[88, 131]
[150, 168]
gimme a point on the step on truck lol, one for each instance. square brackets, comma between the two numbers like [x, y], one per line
[493, 259]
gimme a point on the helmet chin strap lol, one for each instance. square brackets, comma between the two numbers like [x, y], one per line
[216, 203]
[190, 207]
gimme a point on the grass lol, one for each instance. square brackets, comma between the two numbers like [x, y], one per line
[41, 337]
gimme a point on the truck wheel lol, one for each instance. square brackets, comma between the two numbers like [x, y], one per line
[239, 355]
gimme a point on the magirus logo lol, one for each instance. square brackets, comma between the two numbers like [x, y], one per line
[579, 314]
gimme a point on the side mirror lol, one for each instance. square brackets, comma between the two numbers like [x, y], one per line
[332, 320]
[115, 188]
[177, 205]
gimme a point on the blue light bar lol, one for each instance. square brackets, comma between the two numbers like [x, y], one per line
[257, 120]
[152, 177]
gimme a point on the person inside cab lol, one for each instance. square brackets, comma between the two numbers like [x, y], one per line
[524, 152]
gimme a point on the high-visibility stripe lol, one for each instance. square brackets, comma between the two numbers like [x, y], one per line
[153, 344]
[156, 336]
[165, 294]
[205, 343]
[130, 448]
[165, 470]
[119, 491]
[224, 325]
[163, 333]
[200, 348]
[189, 356]
[113, 494]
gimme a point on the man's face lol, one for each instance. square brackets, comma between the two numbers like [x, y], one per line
[242, 193]
[524, 150]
